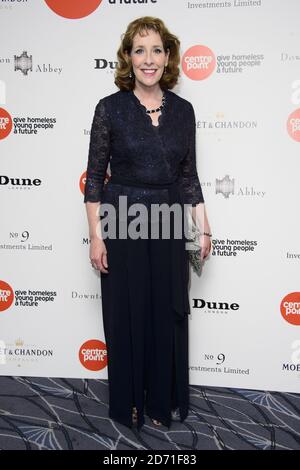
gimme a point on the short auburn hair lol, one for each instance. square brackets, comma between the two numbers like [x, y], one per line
[170, 42]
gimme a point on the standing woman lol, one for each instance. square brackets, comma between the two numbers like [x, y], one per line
[147, 134]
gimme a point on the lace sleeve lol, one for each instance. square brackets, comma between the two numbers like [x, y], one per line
[99, 154]
[189, 180]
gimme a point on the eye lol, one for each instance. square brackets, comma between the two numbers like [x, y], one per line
[137, 51]
[158, 50]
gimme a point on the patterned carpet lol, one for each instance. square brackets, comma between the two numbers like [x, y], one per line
[55, 414]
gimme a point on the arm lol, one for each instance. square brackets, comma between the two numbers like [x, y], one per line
[98, 158]
[191, 186]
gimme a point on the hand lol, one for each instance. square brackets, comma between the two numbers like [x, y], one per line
[205, 243]
[98, 255]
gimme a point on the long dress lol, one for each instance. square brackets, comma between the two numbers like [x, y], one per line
[145, 302]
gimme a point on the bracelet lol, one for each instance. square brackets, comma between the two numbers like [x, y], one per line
[206, 233]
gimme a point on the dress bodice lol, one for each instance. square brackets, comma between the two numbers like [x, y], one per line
[124, 138]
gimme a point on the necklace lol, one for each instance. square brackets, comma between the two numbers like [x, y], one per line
[156, 110]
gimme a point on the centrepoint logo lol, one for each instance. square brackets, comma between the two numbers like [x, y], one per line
[293, 125]
[198, 62]
[5, 123]
[73, 9]
[82, 182]
[290, 308]
[6, 295]
[93, 355]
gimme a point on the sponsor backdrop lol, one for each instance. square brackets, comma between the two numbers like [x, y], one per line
[241, 70]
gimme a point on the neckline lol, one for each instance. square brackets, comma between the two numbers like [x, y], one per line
[148, 117]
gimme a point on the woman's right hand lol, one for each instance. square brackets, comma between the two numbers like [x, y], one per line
[98, 255]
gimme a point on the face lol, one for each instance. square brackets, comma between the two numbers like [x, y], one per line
[148, 59]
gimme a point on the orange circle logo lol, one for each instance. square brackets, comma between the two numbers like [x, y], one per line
[5, 123]
[82, 182]
[293, 125]
[290, 308]
[73, 9]
[93, 355]
[6, 295]
[198, 62]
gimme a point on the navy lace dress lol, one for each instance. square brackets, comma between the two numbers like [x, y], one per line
[145, 293]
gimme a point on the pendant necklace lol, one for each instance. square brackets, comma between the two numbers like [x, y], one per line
[156, 110]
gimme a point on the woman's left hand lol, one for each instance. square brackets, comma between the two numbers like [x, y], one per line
[205, 243]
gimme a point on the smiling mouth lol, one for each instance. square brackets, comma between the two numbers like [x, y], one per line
[149, 72]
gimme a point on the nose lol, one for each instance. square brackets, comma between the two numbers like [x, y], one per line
[148, 58]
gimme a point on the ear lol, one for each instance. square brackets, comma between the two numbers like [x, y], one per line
[127, 56]
[168, 55]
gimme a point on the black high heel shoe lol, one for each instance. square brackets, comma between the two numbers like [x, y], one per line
[157, 423]
[134, 415]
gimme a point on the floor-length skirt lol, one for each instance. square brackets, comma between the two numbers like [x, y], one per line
[146, 339]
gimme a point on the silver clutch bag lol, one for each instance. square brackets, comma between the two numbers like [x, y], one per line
[194, 249]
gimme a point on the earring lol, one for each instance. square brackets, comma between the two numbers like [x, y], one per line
[130, 74]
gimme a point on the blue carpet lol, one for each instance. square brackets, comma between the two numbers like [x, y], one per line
[56, 414]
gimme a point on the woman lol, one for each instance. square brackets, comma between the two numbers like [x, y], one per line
[147, 134]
